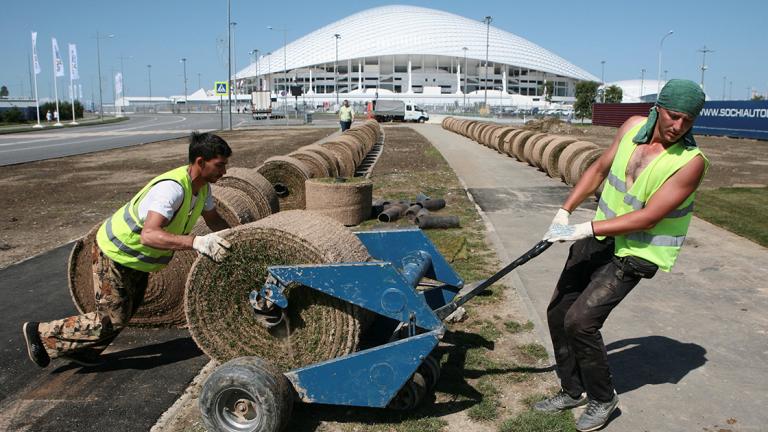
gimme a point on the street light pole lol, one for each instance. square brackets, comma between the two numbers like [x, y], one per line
[602, 78]
[336, 37]
[704, 52]
[149, 74]
[199, 81]
[234, 60]
[98, 63]
[229, 59]
[658, 78]
[642, 81]
[125, 88]
[724, 78]
[465, 49]
[487, 21]
[186, 101]
[285, 69]
[255, 54]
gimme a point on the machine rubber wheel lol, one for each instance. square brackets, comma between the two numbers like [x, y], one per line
[430, 370]
[411, 395]
[421, 120]
[246, 394]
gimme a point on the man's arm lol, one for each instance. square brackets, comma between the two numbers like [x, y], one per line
[214, 220]
[670, 195]
[596, 173]
[153, 234]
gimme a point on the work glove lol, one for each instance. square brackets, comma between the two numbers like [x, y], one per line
[558, 232]
[212, 246]
[561, 218]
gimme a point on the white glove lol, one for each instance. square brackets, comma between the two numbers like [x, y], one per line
[558, 232]
[212, 246]
[561, 218]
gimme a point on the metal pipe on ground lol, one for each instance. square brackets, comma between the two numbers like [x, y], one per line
[432, 221]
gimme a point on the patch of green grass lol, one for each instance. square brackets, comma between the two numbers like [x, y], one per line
[534, 350]
[737, 210]
[532, 421]
[516, 327]
[488, 407]
[487, 330]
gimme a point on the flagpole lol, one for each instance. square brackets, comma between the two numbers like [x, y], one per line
[56, 90]
[34, 74]
[72, 87]
[71, 48]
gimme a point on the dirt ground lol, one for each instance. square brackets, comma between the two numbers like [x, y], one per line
[52, 202]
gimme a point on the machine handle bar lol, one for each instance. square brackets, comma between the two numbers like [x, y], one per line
[463, 298]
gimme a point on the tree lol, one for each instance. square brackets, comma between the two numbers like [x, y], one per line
[586, 91]
[758, 97]
[13, 115]
[65, 109]
[3, 92]
[614, 94]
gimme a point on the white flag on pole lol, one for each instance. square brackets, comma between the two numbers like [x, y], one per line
[58, 65]
[73, 73]
[119, 83]
[34, 53]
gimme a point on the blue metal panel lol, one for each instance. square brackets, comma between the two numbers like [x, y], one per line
[393, 245]
[439, 296]
[746, 119]
[369, 378]
[374, 286]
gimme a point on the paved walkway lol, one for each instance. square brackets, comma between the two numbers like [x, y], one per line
[688, 349]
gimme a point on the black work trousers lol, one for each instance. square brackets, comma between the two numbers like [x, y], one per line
[593, 282]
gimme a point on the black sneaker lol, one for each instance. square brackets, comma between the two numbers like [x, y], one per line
[35, 348]
[560, 401]
[596, 414]
[85, 358]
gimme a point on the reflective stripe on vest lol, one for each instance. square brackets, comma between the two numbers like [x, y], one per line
[660, 244]
[136, 254]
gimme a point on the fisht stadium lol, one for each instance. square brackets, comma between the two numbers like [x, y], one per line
[422, 55]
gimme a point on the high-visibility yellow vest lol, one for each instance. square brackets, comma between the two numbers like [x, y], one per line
[346, 113]
[660, 244]
[119, 237]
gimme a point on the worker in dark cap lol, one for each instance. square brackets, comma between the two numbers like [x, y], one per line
[651, 171]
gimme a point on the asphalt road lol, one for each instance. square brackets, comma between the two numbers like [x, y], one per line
[145, 370]
[138, 129]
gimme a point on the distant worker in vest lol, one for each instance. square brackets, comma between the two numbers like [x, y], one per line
[652, 170]
[346, 115]
[136, 240]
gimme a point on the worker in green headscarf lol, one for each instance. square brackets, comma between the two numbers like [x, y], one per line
[651, 171]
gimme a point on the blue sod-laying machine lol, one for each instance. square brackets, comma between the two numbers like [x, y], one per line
[397, 371]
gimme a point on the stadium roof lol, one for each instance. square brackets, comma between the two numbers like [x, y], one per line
[412, 30]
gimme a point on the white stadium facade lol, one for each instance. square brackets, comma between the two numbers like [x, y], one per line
[415, 54]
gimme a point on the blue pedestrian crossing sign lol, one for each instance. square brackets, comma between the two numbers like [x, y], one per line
[221, 88]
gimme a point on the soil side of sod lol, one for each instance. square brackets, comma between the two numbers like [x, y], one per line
[493, 369]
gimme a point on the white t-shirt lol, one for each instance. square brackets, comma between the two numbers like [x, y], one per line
[166, 197]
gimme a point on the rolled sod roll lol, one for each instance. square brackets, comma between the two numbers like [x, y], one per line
[287, 175]
[163, 304]
[525, 146]
[506, 145]
[331, 161]
[256, 186]
[318, 168]
[569, 155]
[531, 145]
[501, 134]
[538, 151]
[518, 145]
[434, 221]
[344, 156]
[551, 156]
[347, 200]
[318, 327]
[234, 205]
[580, 164]
[354, 145]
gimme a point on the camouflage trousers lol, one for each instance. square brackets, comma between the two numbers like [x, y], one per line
[119, 291]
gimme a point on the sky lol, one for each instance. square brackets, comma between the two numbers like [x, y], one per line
[626, 35]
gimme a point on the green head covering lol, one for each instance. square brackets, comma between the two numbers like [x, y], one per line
[677, 95]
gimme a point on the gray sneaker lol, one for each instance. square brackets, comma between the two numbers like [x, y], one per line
[560, 401]
[596, 414]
